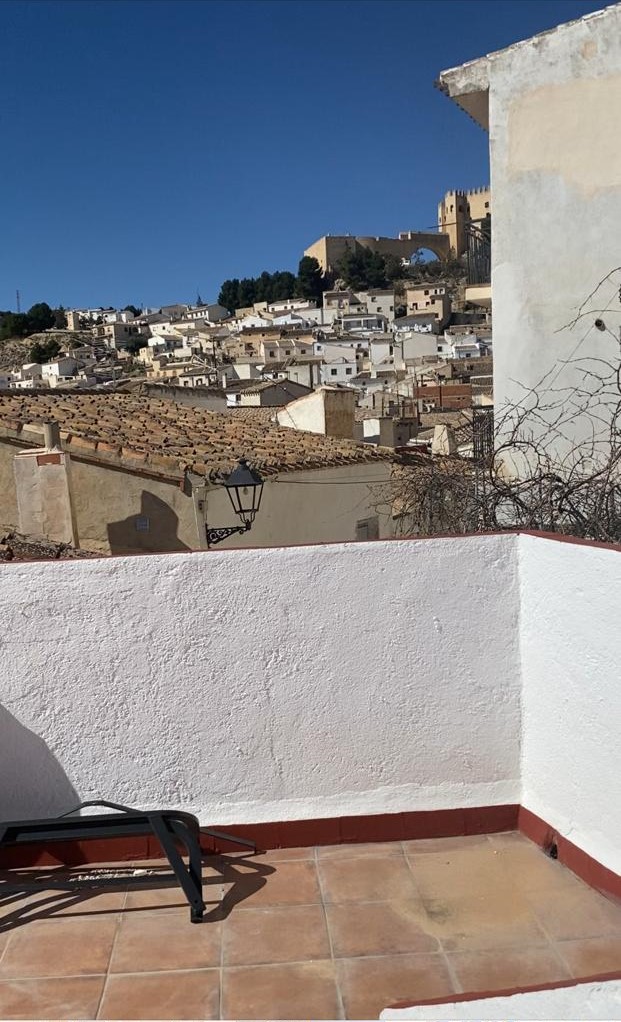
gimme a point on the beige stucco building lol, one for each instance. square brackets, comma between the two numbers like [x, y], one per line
[551, 105]
[135, 474]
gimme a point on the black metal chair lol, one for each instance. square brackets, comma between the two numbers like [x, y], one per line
[169, 826]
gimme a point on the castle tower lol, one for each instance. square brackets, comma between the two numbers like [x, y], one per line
[456, 209]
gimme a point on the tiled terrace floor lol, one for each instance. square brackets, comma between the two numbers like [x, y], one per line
[334, 932]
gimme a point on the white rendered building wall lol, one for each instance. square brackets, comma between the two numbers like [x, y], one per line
[570, 653]
[263, 685]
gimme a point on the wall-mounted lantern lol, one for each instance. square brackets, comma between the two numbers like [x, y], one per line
[244, 487]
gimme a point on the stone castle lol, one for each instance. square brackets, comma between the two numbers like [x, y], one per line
[455, 211]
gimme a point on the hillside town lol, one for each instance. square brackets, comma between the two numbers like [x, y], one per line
[405, 368]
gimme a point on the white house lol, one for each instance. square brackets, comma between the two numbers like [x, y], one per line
[378, 301]
[340, 363]
[385, 351]
[363, 323]
[208, 313]
[59, 371]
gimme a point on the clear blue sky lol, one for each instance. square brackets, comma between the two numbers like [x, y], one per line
[153, 148]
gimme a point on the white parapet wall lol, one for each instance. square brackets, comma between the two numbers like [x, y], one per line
[571, 678]
[264, 685]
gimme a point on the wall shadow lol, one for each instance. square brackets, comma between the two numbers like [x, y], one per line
[153, 529]
[32, 782]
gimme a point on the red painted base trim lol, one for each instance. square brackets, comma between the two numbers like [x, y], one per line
[387, 827]
[286, 834]
[333, 831]
[480, 995]
[579, 862]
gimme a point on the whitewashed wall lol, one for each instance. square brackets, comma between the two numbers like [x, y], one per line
[571, 677]
[261, 685]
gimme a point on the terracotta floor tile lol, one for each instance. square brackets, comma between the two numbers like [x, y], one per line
[59, 947]
[576, 913]
[426, 846]
[279, 934]
[51, 998]
[171, 896]
[502, 970]
[460, 873]
[52, 903]
[148, 941]
[529, 869]
[165, 995]
[592, 956]
[379, 928]
[482, 923]
[368, 985]
[290, 883]
[368, 878]
[306, 991]
[356, 851]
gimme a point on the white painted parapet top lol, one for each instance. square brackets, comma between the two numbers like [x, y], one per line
[584, 1001]
[264, 685]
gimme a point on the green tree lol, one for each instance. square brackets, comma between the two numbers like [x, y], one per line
[283, 285]
[394, 268]
[229, 295]
[133, 309]
[40, 317]
[60, 320]
[263, 287]
[247, 294]
[363, 269]
[134, 345]
[14, 324]
[310, 282]
[44, 351]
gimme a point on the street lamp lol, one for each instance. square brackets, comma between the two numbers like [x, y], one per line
[244, 487]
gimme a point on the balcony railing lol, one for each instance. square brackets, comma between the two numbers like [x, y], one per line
[479, 251]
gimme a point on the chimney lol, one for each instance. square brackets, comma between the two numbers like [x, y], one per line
[51, 435]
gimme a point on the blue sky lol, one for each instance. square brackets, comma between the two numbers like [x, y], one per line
[151, 149]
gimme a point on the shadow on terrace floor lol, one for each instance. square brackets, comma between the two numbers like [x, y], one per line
[27, 895]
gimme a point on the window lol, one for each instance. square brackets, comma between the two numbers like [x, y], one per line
[333, 372]
[427, 291]
[348, 371]
[303, 351]
[142, 524]
[288, 351]
[487, 205]
[272, 354]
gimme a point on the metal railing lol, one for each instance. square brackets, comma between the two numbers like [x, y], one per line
[479, 251]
